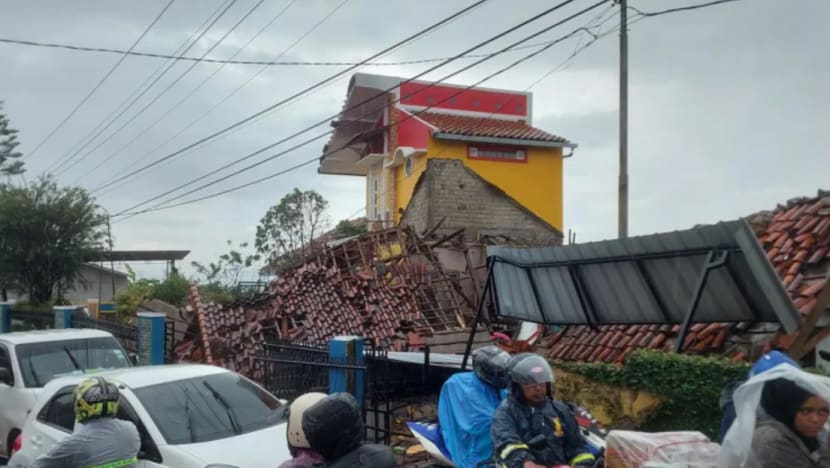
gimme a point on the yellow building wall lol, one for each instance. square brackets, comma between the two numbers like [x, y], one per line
[536, 184]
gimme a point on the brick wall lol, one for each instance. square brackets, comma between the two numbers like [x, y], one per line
[453, 191]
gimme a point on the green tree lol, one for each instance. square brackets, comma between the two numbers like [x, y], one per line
[46, 234]
[218, 279]
[10, 163]
[173, 290]
[347, 228]
[285, 234]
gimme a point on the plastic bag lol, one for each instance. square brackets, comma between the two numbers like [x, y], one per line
[738, 441]
[628, 449]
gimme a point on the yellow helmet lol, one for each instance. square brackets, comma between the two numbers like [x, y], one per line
[95, 398]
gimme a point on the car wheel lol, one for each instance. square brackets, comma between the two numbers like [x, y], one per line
[10, 441]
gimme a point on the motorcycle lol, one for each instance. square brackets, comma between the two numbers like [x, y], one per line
[429, 436]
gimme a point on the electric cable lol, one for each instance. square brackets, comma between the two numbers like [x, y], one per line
[95, 88]
[294, 96]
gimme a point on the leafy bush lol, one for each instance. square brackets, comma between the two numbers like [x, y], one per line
[691, 384]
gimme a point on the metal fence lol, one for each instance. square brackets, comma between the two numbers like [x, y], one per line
[125, 334]
[25, 320]
[291, 369]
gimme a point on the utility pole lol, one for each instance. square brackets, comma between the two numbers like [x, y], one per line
[623, 181]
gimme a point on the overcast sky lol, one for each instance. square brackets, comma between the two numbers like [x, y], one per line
[729, 105]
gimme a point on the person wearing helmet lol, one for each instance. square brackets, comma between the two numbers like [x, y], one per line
[334, 429]
[532, 430]
[466, 405]
[768, 361]
[301, 453]
[99, 439]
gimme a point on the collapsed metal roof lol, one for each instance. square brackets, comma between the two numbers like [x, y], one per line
[716, 273]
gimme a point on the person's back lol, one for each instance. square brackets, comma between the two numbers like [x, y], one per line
[465, 412]
[100, 439]
[334, 429]
[100, 442]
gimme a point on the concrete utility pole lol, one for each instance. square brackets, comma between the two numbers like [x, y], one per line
[623, 182]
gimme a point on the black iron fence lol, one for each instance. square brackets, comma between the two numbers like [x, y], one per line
[291, 369]
[31, 319]
[125, 334]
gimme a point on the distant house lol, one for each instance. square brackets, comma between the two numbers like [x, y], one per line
[501, 169]
[94, 282]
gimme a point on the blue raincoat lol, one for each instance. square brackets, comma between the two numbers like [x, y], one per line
[465, 413]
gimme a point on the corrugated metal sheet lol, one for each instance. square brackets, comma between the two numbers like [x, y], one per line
[642, 280]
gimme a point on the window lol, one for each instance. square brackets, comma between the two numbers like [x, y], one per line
[209, 408]
[40, 362]
[148, 449]
[6, 364]
[375, 197]
[407, 166]
[497, 153]
[60, 412]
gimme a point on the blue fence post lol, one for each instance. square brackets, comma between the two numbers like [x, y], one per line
[63, 316]
[150, 338]
[347, 350]
[5, 317]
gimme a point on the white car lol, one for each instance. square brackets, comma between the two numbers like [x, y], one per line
[28, 360]
[188, 415]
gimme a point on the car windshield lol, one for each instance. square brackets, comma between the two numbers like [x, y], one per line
[209, 408]
[40, 362]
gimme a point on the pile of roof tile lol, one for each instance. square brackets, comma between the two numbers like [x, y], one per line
[796, 237]
[312, 303]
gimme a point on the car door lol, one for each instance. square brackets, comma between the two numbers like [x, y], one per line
[12, 414]
[54, 422]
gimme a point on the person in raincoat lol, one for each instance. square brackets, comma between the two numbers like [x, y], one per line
[334, 429]
[727, 405]
[532, 430]
[101, 440]
[301, 453]
[466, 405]
[787, 434]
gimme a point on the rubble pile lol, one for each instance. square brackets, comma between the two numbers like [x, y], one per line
[382, 286]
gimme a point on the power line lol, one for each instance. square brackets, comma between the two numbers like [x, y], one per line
[101, 82]
[675, 10]
[296, 95]
[248, 81]
[376, 96]
[414, 114]
[243, 85]
[172, 84]
[215, 17]
[267, 63]
[86, 139]
[158, 120]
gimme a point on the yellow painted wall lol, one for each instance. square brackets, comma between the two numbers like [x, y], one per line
[536, 184]
[405, 185]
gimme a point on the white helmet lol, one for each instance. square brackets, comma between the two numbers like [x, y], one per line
[296, 436]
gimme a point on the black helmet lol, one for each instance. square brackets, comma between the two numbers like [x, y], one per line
[530, 369]
[490, 365]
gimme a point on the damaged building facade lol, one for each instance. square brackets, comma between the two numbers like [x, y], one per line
[440, 158]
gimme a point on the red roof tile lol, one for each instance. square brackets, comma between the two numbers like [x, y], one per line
[487, 127]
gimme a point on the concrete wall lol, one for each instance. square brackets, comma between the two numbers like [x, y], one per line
[95, 278]
[453, 191]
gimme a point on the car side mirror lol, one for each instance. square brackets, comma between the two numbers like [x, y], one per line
[5, 376]
[133, 358]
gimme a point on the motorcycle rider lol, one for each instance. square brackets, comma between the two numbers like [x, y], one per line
[101, 440]
[466, 406]
[301, 453]
[334, 428]
[532, 430]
